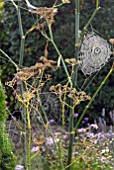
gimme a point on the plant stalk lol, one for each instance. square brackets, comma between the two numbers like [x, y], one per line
[71, 138]
[29, 138]
[77, 25]
[20, 65]
[21, 33]
[90, 20]
[60, 55]
[9, 59]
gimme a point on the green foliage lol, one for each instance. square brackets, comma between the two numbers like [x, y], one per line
[3, 114]
[7, 158]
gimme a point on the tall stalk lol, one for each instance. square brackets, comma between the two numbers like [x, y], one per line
[77, 25]
[70, 149]
[28, 166]
[22, 37]
[79, 41]
[21, 32]
[90, 20]
[21, 55]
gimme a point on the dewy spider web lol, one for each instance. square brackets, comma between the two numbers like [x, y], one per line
[94, 53]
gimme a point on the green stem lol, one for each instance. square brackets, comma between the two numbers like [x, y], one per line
[90, 20]
[93, 97]
[22, 89]
[9, 59]
[60, 55]
[21, 33]
[60, 156]
[22, 51]
[22, 37]
[77, 24]
[70, 149]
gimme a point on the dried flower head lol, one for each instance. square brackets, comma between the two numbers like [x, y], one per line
[111, 41]
[65, 1]
[27, 96]
[72, 61]
[28, 72]
[47, 13]
[72, 93]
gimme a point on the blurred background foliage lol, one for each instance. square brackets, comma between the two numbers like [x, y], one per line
[63, 30]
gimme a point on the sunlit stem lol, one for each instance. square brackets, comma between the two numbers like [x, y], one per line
[28, 128]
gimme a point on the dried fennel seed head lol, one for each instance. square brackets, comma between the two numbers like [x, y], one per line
[72, 93]
[28, 72]
[46, 13]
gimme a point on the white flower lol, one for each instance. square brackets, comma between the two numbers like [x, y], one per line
[19, 167]
[81, 130]
[34, 149]
[103, 151]
[50, 141]
[94, 126]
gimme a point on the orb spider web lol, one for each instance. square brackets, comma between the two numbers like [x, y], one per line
[94, 53]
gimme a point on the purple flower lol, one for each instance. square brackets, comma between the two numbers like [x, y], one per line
[86, 119]
[51, 121]
[75, 115]
[58, 130]
[17, 90]
[83, 122]
[16, 78]
[18, 83]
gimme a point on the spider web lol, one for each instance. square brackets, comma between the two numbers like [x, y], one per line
[94, 53]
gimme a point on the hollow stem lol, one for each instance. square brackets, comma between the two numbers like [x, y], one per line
[77, 25]
[70, 148]
[21, 33]
[21, 55]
